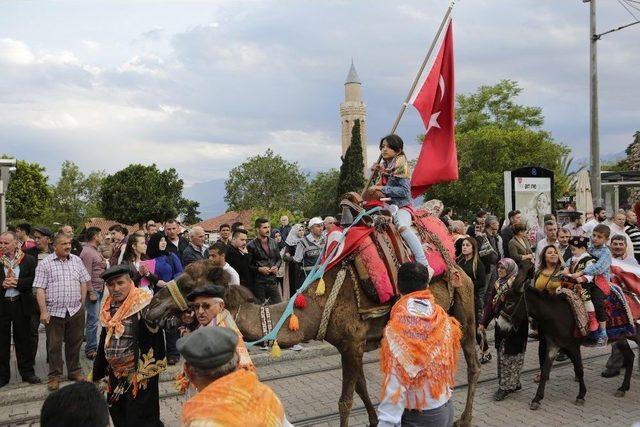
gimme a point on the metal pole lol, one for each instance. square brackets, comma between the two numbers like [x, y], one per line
[3, 212]
[594, 131]
[403, 108]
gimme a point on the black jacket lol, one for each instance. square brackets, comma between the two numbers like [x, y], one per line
[506, 234]
[149, 353]
[25, 284]
[178, 250]
[242, 264]
[259, 258]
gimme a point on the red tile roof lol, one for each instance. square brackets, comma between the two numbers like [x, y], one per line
[104, 224]
[213, 224]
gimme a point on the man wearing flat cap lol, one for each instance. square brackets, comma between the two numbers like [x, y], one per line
[227, 396]
[208, 308]
[130, 353]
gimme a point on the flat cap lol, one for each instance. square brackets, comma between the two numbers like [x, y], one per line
[209, 290]
[44, 231]
[579, 242]
[115, 271]
[208, 347]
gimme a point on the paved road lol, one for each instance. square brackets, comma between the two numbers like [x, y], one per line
[309, 389]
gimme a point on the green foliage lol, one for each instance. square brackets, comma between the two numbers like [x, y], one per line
[189, 209]
[565, 180]
[495, 105]
[352, 168]
[28, 195]
[138, 193]
[494, 135]
[266, 182]
[76, 197]
[321, 194]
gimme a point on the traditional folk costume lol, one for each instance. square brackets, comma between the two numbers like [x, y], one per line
[512, 343]
[595, 266]
[418, 359]
[237, 399]
[131, 355]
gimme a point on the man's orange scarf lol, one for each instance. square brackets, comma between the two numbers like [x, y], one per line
[420, 347]
[135, 301]
[235, 400]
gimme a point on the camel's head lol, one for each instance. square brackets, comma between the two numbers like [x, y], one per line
[163, 308]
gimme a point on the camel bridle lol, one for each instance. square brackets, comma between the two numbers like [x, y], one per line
[177, 296]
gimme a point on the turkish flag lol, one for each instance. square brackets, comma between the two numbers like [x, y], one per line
[435, 101]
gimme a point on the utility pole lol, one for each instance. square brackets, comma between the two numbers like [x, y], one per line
[7, 168]
[594, 151]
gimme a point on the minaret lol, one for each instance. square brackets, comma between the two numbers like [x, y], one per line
[351, 109]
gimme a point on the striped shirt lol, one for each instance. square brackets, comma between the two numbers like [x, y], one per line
[61, 280]
[634, 234]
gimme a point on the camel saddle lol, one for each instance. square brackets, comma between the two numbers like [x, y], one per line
[377, 248]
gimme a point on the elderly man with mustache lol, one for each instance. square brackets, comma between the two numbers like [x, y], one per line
[131, 354]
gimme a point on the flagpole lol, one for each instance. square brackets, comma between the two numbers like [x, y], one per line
[415, 82]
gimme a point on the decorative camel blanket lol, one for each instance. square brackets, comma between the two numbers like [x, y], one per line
[627, 276]
[359, 240]
[619, 319]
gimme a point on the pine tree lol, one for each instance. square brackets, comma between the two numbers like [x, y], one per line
[351, 170]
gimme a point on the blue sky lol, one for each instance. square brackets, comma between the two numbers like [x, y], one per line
[201, 85]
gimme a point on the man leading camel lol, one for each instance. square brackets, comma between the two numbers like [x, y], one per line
[418, 336]
[130, 353]
[227, 396]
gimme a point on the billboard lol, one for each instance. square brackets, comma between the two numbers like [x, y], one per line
[529, 190]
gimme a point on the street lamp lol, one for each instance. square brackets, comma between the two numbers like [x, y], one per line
[7, 168]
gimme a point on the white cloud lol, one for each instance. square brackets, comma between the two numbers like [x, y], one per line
[15, 52]
[91, 44]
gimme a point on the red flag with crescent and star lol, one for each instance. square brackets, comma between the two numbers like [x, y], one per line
[435, 101]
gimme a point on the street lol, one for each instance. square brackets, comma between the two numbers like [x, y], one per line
[309, 384]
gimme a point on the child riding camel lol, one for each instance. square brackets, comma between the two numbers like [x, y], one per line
[393, 182]
[589, 269]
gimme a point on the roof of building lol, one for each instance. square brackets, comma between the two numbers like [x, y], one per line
[213, 224]
[104, 224]
[352, 77]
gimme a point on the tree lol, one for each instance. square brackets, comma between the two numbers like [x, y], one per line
[266, 182]
[493, 135]
[75, 196]
[321, 194]
[351, 171]
[138, 193]
[28, 195]
[190, 212]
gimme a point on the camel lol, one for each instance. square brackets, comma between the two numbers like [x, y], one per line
[346, 330]
[556, 319]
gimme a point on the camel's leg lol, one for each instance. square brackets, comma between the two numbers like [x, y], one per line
[575, 355]
[552, 351]
[463, 310]
[627, 353]
[351, 367]
[361, 389]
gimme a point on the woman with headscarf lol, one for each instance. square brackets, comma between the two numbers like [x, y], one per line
[168, 265]
[291, 272]
[505, 299]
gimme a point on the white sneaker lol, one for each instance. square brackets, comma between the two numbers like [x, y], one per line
[297, 347]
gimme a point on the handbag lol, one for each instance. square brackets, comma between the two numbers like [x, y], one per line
[486, 248]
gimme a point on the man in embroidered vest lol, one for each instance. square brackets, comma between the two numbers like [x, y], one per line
[130, 353]
[16, 305]
[227, 396]
[418, 358]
